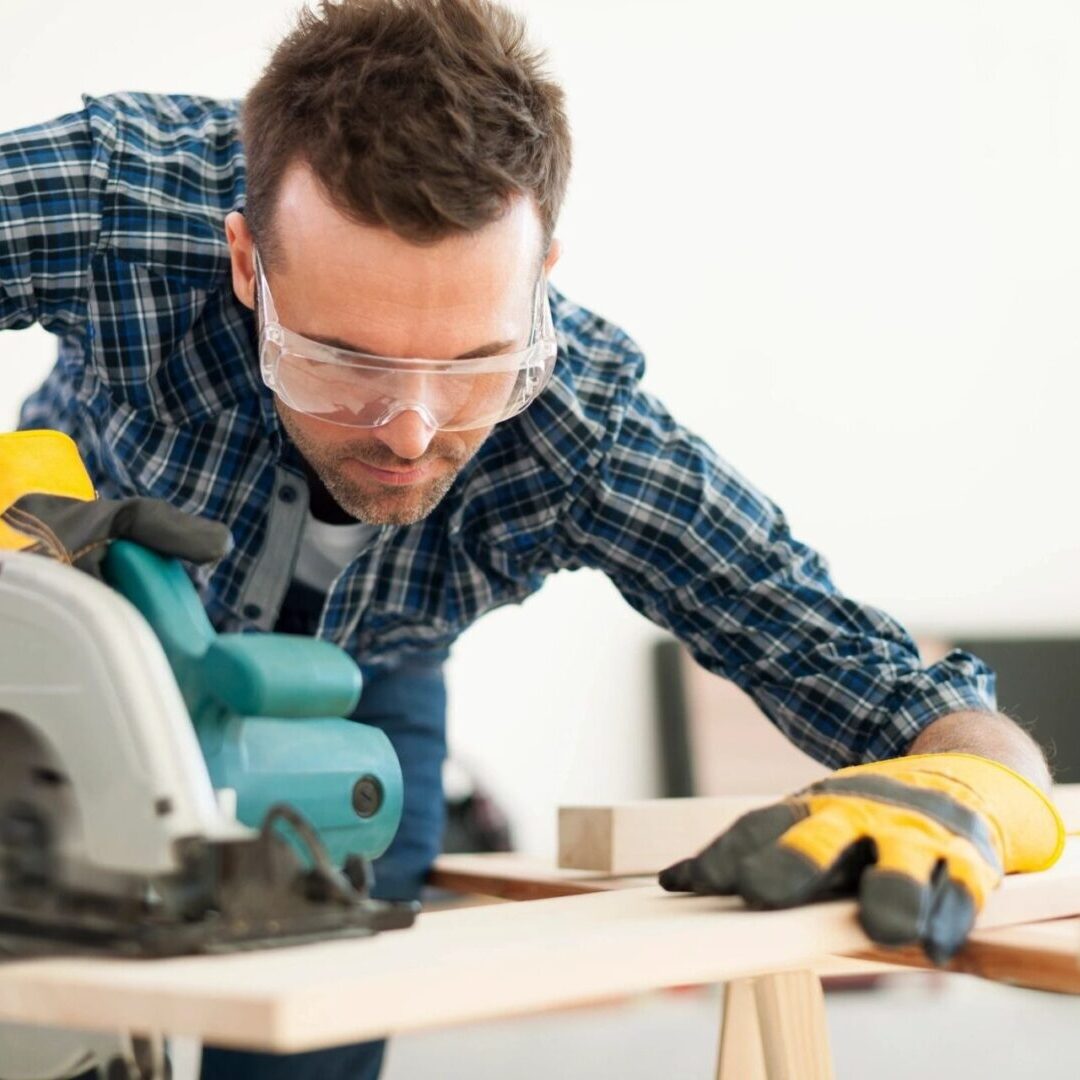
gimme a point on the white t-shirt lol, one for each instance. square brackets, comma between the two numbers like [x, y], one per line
[325, 550]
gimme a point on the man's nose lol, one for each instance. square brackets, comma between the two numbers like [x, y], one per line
[408, 434]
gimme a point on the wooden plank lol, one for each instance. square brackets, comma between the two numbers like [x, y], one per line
[643, 837]
[507, 875]
[466, 966]
[510, 876]
[1040, 956]
[1043, 956]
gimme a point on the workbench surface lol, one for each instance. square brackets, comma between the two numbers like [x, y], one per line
[468, 965]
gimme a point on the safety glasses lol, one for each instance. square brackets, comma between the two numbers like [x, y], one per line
[357, 390]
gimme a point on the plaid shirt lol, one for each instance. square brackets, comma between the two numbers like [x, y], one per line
[111, 237]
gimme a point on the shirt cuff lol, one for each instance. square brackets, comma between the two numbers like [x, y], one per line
[961, 682]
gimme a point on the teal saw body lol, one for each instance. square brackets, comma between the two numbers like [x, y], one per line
[268, 713]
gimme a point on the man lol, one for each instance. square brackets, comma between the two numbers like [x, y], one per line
[326, 322]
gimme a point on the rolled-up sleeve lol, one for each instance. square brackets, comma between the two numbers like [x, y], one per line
[696, 549]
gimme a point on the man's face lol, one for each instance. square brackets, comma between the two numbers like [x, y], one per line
[364, 288]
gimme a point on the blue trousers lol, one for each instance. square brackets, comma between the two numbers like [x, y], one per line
[409, 704]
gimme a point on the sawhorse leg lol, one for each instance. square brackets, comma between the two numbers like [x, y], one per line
[775, 1028]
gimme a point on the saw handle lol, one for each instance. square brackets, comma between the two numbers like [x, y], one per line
[283, 675]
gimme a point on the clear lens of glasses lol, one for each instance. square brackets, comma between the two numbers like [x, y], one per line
[357, 390]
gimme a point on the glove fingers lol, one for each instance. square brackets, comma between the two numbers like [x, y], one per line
[679, 877]
[170, 531]
[716, 868]
[895, 896]
[952, 915]
[961, 885]
[917, 895]
[80, 530]
[818, 857]
[893, 907]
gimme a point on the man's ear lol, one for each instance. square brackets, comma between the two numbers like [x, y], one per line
[241, 252]
[554, 251]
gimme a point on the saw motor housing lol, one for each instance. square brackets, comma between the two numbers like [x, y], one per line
[267, 710]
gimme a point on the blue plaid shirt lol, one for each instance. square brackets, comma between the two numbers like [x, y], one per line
[112, 238]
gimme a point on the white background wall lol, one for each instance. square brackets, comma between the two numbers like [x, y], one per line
[848, 236]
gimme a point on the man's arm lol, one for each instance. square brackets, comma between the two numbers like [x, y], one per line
[989, 735]
[695, 548]
[51, 179]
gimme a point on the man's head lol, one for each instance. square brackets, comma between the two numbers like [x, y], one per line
[406, 162]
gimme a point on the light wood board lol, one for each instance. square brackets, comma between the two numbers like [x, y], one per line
[643, 837]
[506, 875]
[465, 966]
[510, 876]
[1042, 956]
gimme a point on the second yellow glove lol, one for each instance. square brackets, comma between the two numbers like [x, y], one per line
[921, 839]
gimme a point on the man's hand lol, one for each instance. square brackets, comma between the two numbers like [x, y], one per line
[79, 532]
[47, 507]
[922, 840]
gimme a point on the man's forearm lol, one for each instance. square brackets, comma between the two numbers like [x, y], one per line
[989, 735]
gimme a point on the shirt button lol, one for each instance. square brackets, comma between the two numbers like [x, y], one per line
[287, 493]
[252, 611]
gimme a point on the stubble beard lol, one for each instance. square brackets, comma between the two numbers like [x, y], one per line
[388, 506]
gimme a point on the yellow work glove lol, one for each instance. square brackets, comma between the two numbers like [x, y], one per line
[48, 506]
[37, 462]
[922, 840]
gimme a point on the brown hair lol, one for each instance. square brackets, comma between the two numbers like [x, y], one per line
[426, 116]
